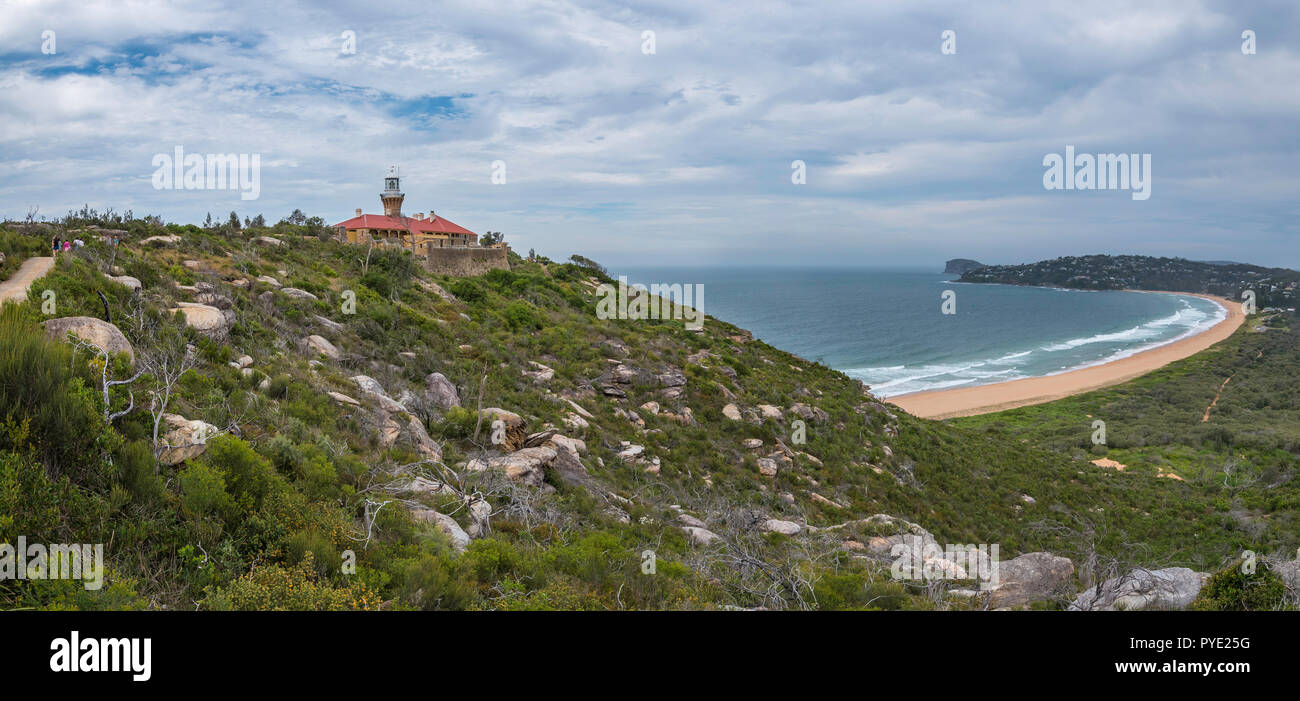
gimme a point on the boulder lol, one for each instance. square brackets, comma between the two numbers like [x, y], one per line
[769, 412]
[700, 536]
[268, 280]
[515, 435]
[371, 387]
[567, 456]
[1142, 589]
[314, 345]
[539, 373]
[459, 538]
[96, 332]
[330, 324]
[297, 293]
[343, 399]
[183, 439]
[206, 319]
[773, 525]
[127, 281]
[268, 241]
[1030, 577]
[169, 240]
[731, 412]
[526, 466]
[440, 392]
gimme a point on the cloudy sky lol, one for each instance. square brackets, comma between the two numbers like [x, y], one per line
[682, 155]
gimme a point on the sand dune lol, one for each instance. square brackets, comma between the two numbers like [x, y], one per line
[968, 401]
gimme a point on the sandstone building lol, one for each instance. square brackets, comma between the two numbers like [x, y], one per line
[445, 247]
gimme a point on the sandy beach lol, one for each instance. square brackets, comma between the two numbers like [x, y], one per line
[984, 399]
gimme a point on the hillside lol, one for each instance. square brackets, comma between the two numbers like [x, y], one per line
[307, 424]
[1273, 287]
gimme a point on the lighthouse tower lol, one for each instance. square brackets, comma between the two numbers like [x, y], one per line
[392, 195]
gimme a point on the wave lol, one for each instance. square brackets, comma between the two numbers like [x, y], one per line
[893, 380]
[1188, 317]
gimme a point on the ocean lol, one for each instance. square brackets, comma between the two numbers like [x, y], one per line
[886, 326]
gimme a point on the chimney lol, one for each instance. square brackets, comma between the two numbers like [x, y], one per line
[419, 217]
[431, 215]
[358, 211]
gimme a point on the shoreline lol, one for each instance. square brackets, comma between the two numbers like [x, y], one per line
[1001, 396]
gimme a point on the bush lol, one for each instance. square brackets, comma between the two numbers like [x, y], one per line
[1232, 589]
[42, 389]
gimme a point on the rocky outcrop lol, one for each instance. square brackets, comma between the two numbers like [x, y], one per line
[1143, 589]
[444, 523]
[370, 387]
[525, 466]
[96, 332]
[296, 293]
[127, 281]
[512, 423]
[206, 319]
[184, 439]
[1029, 578]
[440, 392]
[315, 346]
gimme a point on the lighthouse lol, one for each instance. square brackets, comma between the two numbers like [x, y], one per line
[392, 195]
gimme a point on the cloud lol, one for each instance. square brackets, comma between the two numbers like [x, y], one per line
[682, 155]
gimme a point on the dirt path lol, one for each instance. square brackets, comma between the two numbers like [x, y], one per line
[15, 288]
[1216, 398]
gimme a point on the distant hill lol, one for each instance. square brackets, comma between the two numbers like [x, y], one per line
[961, 266]
[1276, 287]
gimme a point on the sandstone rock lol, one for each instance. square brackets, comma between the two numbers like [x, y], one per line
[1029, 578]
[268, 241]
[440, 392]
[700, 536]
[268, 280]
[343, 399]
[731, 412]
[459, 538]
[329, 324]
[513, 423]
[768, 467]
[245, 361]
[752, 443]
[126, 280]
[1166, 589]
[689, 520]
[206, 319]
[578, 408]
[773, 525]
[652, 407]
[371, 387]
[184, 439]
[539, 373]
[526, 466]
[314, 345]
[96, 332]
[769, 412]
[809, 413]
[169, 240]
[297, 293]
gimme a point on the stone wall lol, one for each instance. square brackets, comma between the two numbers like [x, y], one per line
[464, 261]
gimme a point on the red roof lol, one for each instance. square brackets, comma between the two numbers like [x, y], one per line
[437, 225]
